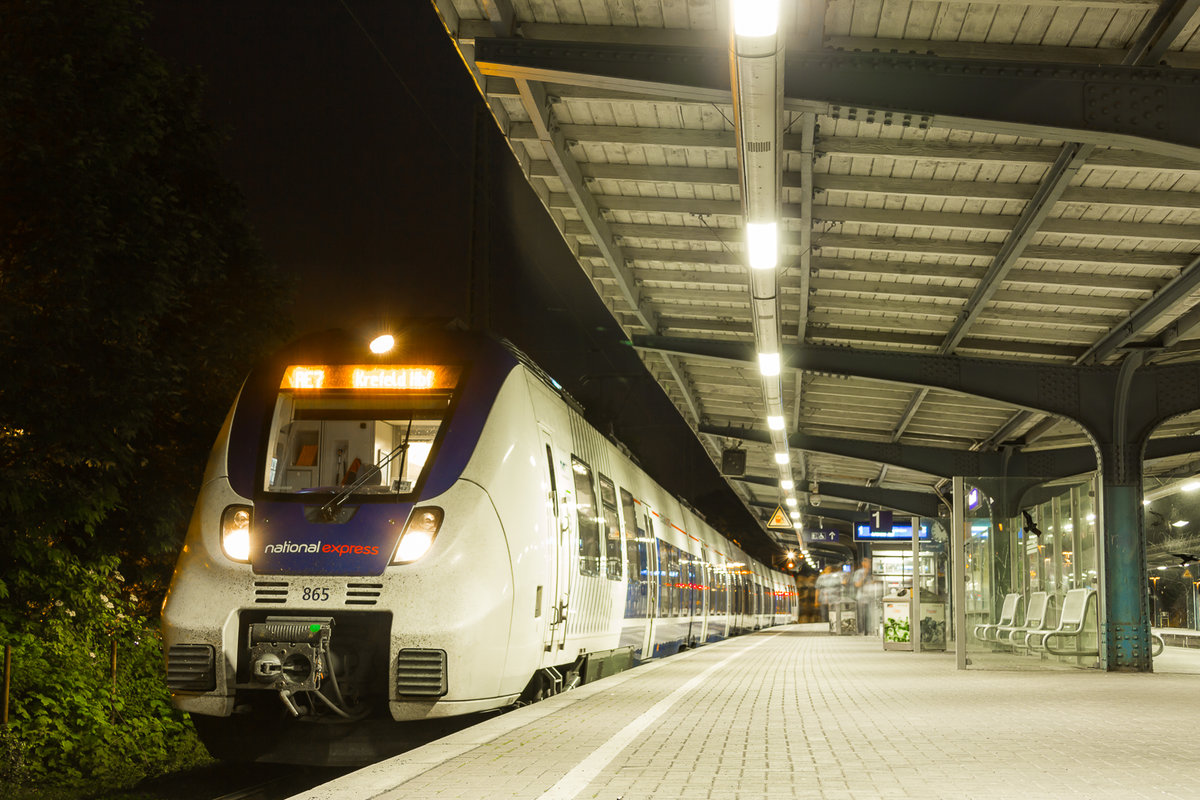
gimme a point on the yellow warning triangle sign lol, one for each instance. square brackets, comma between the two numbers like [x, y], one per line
[779, 519]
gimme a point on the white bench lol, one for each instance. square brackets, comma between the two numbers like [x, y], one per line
[1036, 618]
[1070, 626]
[1008, 616]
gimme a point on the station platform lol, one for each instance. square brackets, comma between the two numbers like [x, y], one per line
[793, 712]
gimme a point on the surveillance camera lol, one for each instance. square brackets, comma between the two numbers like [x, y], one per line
[814, 500]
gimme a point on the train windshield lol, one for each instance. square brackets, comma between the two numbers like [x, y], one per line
[365, 436]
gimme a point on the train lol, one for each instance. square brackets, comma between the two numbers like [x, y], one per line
[418, 525]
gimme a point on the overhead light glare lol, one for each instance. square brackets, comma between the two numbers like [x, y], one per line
[1179, 523]
[794, 514]
[1190, 486]
[787, 484]
[768, 364]
[383, 344]
[791, 501]
[752, 18]
[783, 458]
[762, 244]
[775, 423]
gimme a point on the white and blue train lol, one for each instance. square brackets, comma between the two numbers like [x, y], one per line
[425, 526]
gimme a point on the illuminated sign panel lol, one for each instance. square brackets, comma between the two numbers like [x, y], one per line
[391, 378]
[863, 532]
[305, 378]
[369, 377]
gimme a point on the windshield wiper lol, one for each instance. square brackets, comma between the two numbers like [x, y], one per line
[329, 511]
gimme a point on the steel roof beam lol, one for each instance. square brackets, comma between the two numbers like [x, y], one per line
[1156, 37]
[790, 241]
[1147, 108]
[537, 105]
[966, 152]
[923, 504]
[1005, 52]
[1082, 394]
[1067, 349]
[1145, 316]
[864, 184]
[806, 213]
[938, 461]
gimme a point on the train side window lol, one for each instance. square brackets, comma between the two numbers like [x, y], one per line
[586, 519]
[553, 481]
[675, 579]
[612, 529]
[629, 518]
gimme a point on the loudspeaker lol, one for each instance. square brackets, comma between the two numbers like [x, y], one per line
[733, 462]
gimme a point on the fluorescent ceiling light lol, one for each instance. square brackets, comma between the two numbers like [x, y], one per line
[783, 458]
[1190, 486]
[794, 514]
[787, 484]
[762, 244]
[775, 423]
[755, 17]
[768, 364]
[791, 501]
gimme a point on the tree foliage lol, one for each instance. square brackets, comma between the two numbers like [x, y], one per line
[133, 298]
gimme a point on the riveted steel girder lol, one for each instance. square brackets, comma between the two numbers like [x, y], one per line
[943, 461]
[922, 504]
[1086, 394]
[1156, 109]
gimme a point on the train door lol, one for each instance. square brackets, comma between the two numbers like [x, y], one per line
[561, 550]
[648, 555]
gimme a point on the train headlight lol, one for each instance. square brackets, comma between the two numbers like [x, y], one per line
[419, 533]
[235, 532]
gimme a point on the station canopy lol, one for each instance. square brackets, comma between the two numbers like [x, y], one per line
[1010, 182]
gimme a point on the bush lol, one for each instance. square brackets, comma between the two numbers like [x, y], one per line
[70, 723]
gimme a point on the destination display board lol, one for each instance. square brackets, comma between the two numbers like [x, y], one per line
[864, 532]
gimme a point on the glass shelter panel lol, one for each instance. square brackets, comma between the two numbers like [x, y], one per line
[1032, 590]
[1172, 525]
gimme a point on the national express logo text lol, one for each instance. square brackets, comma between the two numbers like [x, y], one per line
[317, 547]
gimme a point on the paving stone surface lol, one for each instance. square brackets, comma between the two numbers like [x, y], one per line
[789, 713]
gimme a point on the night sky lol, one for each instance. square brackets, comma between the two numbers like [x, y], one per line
[355, 162]
[352, 135]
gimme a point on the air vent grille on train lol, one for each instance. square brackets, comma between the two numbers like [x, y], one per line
[363, 594]
[270, 591]
[421, 672]
[191, 668]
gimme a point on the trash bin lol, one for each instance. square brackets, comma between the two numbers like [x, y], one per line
[843, 618]
[898, 628]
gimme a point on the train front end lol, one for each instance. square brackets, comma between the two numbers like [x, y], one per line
[326, 569]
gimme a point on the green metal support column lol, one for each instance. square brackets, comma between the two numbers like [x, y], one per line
[1125, 627]
[1124, 616]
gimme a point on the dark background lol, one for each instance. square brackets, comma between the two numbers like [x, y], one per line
[374, 173]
